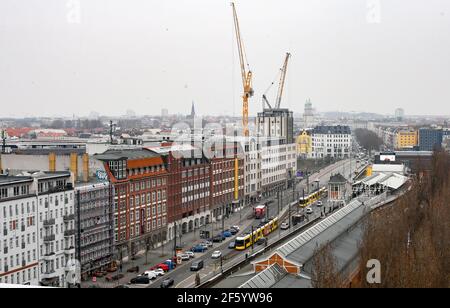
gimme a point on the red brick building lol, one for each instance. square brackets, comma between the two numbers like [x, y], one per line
[139, 180]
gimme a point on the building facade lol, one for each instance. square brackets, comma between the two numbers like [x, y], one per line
[139, 180]
[94, 218]
[37, 214]
[406, 139]
[304, 144]
[430, 138]
[331, 141]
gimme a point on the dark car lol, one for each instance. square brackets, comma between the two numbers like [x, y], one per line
[196, 266]
[233, 231]
[167, 283]
[114, 277]
[261, 241]
[140, 280]
[232, 245]
[218, 238]
[198, 248]
[227, 233]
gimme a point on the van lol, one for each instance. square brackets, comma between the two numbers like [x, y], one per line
[197, 265]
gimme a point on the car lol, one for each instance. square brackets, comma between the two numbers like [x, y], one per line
[309, 210]
[204, 245]
[232, 245]
[319, 203]
[284, 226]
[218, 238]
[114, 277]
[190, 254]
[159, 271]
[235, 228]
[261, 241]
[216, 254]
[150, 274]
[198, 248]
[209, 243]
[185, 257]
[196, 265]
[167, 283]
[163, 266]
[233, 231]
[226, 233]
[140, 280]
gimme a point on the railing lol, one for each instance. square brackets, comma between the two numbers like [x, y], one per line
[69, 232]
[49, 222]
[68, 217]
[49, 238]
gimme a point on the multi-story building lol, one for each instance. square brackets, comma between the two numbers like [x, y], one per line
[252, 168]
[95, 230]
[276, 123]
[331, 141]
[406, 139]
[37, 214]
[430, 138]
[139, 179]
[304, 144]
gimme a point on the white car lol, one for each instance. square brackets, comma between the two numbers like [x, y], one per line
[150, 274]
[159, 272]
[284, 226]
[319, 203]
[309, 210]
[236, 228]
[216, 254]
[190, 254]
[207, 243]
[185, 257]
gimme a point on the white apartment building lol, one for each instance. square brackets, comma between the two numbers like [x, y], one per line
[38, 238]
[331, 141]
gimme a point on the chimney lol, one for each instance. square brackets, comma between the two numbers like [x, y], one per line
[86, 167]
[52, 162]
[74, 165]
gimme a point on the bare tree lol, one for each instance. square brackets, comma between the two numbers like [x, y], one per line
[325, 273]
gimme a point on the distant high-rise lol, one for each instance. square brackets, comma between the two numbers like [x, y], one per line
[308, 115]
[164, 112]
[192, 115]
[399, 114]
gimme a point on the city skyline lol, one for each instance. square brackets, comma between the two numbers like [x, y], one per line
[78, 54]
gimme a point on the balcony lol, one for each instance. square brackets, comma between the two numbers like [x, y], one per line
[49, 274]
[49, 256]
[49, 238]
[69, 232]
[70, 217]
[69, 250]
[49, 222]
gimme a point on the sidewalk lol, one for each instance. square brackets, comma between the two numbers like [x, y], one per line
[166, 251]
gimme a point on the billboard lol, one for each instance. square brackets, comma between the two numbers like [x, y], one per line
[387, 157]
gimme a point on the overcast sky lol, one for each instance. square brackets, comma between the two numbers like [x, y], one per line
[144, 55]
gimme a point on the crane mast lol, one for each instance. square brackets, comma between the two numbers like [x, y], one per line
[282, 80]
[245, 74]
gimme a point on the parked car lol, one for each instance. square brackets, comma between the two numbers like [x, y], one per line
[261, 241]
[134, 269]
[198, 248]
[167, 283]
[163, 266]
[204, 245]
[185, 257]
[114, 277]
[197, 265]
[208, 243]
[232, 245]
[159, 271]
[218, 238]
[140, 280]
[216, 254]
[150, 274]
[319, 203]
[190, 254]
[233, 231]
[236, 228]
[309, 210]
[284, 226]
[100, 273]
[226, 233]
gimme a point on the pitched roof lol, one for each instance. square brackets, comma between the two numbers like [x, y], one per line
[335, 129]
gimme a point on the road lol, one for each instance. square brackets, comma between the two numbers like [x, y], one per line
[184, 278]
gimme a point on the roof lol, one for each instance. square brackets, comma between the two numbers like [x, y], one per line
[395, 181]
[388, 168]
[337, 178]
[126, 154]
[266, 278]
[8, 179]
[335, 129]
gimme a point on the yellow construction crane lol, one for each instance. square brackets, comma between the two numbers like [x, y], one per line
[283, 71]
[246, 73]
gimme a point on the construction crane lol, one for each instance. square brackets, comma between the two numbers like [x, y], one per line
[246, 73]
[281, 83]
